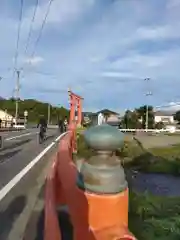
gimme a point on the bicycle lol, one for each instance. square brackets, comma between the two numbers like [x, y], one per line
[42, 135]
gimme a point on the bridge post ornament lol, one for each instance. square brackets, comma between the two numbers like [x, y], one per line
[102, 173]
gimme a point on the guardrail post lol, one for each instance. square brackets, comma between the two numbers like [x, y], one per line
[102, 179]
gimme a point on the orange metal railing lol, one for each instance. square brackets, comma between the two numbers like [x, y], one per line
[93, 216]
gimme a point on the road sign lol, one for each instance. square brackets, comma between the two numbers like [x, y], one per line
[25, 113]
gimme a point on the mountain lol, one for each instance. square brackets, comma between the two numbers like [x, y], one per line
[35, 109]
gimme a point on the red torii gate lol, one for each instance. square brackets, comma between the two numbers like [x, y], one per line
[75, 101]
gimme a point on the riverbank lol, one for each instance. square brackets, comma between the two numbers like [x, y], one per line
[153, 177]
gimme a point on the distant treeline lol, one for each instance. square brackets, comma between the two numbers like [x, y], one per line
[35, 109]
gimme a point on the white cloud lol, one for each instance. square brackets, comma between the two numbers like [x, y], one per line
[117, 74]
[171, 106]
[35, 60]
[107, 45]
[159, 32]
[61, 12]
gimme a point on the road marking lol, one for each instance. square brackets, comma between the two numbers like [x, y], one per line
[19, 136]
[7, 188]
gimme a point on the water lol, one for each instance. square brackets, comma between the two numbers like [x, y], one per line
[156, 184]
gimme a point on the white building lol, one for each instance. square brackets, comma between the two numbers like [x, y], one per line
[165, 117]
[6, 118]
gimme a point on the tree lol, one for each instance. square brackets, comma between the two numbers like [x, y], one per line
[130, 120]
[159, 125]
[142, 114]
[177, 116]
[35, 109]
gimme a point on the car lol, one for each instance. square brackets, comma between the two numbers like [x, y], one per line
[19, 126]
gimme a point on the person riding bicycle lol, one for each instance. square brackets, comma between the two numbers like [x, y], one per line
[61, 125]
[42, 123]
[65, 123]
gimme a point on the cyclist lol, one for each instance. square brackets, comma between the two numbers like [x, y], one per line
[60, 124]
[65, 123]
[43, 124]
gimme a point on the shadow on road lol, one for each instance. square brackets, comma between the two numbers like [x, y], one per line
[10, 214]
[7, 155]
[49, 137]
[35, 229]
[17, 144]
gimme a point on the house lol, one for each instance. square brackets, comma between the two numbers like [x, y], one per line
[6, 118]
[164, 116]
[110, 117]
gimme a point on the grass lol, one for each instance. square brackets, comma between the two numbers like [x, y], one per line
[133, 155]
[150, 217]
[153, 217]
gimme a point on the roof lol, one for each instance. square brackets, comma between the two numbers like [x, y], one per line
[163, 113]
[107, 111]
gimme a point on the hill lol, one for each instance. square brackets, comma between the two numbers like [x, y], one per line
[35, 109]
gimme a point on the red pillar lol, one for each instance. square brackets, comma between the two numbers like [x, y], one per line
[72, 108]
[79, 105]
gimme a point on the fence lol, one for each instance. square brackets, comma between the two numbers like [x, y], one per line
[149, 130]
[94, 216]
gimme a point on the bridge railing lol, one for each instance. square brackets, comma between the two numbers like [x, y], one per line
[94, 190]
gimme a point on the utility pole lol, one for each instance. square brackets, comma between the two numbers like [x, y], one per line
[17, 94]
[49, 113]
[148, 93]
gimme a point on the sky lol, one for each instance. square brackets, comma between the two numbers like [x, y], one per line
[101, 49]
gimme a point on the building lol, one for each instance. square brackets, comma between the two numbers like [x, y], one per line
[112, 118]
[164, 116]
[110, 115]
[6, 118]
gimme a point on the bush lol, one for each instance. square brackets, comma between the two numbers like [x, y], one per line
[83, 151]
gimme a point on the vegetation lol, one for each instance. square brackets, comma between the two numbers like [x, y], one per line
[177, 116]
[137, 118]
[133, 155]
[35, 109]
[150, 217]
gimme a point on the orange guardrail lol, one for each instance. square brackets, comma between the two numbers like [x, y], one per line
[93, 216]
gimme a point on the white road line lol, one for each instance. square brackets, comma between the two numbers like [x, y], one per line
[19, 136]
[7, 188]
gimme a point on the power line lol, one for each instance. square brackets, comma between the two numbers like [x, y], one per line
[18, 36]
[31, 26]
[41, 29]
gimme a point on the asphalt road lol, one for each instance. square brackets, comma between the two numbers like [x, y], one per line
[22, 161]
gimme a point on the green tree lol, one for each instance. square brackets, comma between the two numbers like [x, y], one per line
[177, 116]
[131, 120]
[159, 125]
[35, 109]
[142, 114]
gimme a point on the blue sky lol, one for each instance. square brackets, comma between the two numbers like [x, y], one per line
[101, 49]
